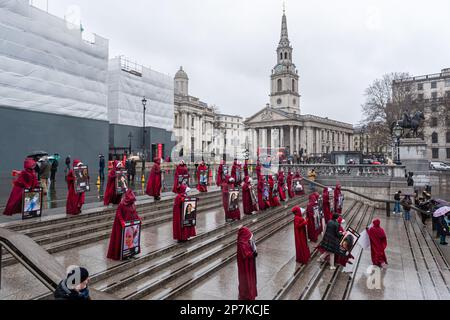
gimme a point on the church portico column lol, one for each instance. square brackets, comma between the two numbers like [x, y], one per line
[297, 139]
[282, 144]
[291, 139]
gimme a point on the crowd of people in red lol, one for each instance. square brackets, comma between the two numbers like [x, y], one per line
[309, 224]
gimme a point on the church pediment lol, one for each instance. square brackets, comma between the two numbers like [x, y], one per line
[267, 115]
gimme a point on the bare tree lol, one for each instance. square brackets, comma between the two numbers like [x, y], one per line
[386, 101]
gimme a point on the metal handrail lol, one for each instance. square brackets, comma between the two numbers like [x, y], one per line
[369, 198]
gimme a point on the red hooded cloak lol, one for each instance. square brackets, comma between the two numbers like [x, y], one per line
[181, 170]
[378, 243]
[313, 232]
[180, 232]
[27, 180]
[232, 215]
[289, 179]
[126, 211]
[281, 186]
[247, 201]
[201, 167]
[337, 193]
[236, 166]
[154, 182]
[74, 200]
[301, 244]
[263, 204]
[110, 191]
[328, 215]
[274, 200]
[246, 260]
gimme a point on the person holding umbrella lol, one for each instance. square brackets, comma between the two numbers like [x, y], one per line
[442, 225]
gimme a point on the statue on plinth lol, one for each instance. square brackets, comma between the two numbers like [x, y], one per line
[413, 123]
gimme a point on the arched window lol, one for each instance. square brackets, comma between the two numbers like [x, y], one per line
[280, 85]
[285, 55]
[434, 137]
[293, 85]
[281, 55]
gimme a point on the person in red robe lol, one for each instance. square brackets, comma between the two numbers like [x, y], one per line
[246, 168]
[236, 172]
[246, 261]
[110, 192]
[378, 244]
[263, 200]
[181, 170]
[273, 193]
[154, 183]
[313, 230]
[289, 179]
[258, 168]
[230, 214]
[326, 206]
[202, 187]
[338, 204]
[248, 200]
[26, 180]
[180, 232]
[301, 243]
[302, 191]
[220, 174]
[281, 186]
[126, 211]
[74, 200]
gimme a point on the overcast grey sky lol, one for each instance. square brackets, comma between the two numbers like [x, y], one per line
[227, 47]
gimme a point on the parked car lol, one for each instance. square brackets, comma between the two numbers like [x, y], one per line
[434, 165]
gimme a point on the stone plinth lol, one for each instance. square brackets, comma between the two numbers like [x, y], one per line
[413, 155]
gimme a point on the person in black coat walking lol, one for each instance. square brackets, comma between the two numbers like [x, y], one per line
[330, 242]
[442, 229]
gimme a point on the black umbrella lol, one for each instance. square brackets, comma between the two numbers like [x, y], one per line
[37, 154]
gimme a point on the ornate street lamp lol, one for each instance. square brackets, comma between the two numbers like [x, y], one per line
[398, 133]
[144, 155]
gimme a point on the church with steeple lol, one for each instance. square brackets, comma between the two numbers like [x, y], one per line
[280, 124]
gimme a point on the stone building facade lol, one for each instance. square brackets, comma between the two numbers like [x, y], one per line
[281, 125]
[432, 93]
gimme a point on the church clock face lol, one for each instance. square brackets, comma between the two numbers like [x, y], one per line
[279, 101]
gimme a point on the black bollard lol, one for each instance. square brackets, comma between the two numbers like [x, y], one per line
[388, 209]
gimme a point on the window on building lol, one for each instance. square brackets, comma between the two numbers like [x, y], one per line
[447, 94]
[434, 137]
[448, 153]
[279, 85]
[285, 55]
[435, 153]
[434, 95]
[281, 55]
[434, 122]
[192, 122]
[420, 86]
[332, 138]
[433, 108]
[420, 96]
[447, 137]
[293, 86]
[433, 85]
[447, 83]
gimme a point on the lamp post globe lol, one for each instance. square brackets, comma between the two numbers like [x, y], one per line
[398, 133]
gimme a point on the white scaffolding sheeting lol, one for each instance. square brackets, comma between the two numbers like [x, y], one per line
[127, 86]
[46, 66]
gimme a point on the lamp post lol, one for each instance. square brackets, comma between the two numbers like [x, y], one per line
[144, 155]
[398, 133]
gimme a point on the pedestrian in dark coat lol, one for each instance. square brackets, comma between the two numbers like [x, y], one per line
[330, 242]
